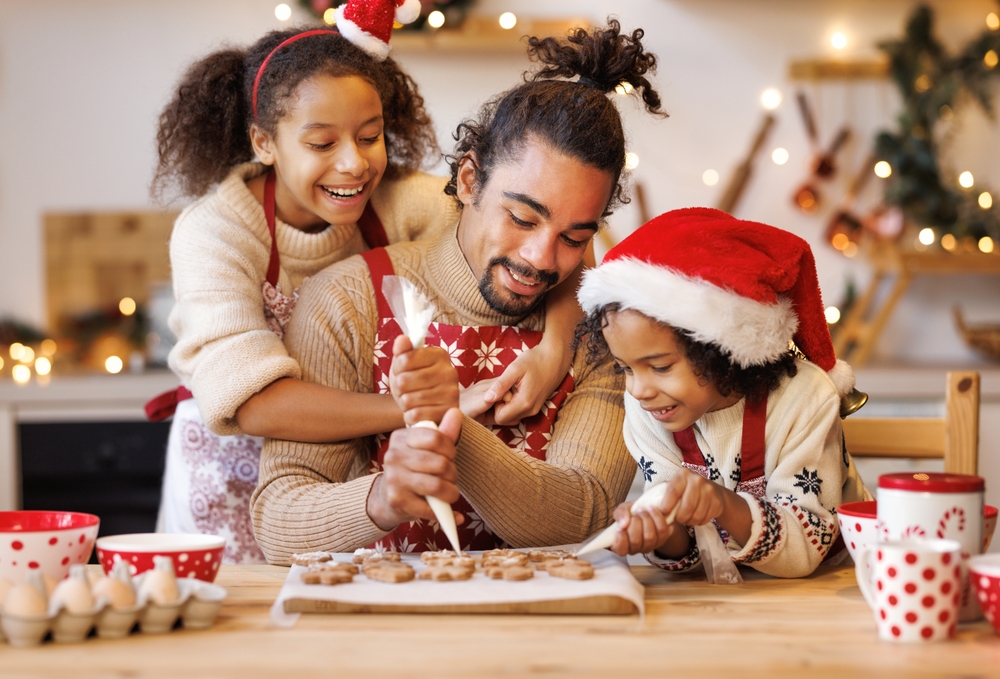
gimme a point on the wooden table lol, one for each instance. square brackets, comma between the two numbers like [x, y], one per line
[816, 627]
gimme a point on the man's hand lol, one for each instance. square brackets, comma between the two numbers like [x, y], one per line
[423, 381]
[418, 462]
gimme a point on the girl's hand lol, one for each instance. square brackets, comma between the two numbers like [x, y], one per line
[643, 532]
[423, 381]
[528, 382]
[697, 499]
[473, 403]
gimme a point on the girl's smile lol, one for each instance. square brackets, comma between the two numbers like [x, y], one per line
[657, 372]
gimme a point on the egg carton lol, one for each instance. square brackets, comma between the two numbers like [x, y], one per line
[198, 604]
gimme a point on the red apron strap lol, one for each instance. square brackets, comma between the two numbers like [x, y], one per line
[371, 228]
[379, 265]
[274, 263]
[688, 444]
[752, 452]
[163, 406]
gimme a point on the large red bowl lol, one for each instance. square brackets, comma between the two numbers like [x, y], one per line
[984, 572]
[47, 541]
[194, 556]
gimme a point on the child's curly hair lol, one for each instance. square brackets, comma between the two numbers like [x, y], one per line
[203, 132]
[708, 361]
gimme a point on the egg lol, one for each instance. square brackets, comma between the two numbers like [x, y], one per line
[25, 600]
[73, 593]
[118, 594]
[4, 586]
[159, 585]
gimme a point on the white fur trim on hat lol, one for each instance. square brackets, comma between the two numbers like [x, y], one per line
[751, 332]
[408, 12]
[842, 376]
[369, 43]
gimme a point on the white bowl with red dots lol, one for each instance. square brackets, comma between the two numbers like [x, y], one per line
[194, 555]
[43, 540]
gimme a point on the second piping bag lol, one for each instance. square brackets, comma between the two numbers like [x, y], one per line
[414, 312]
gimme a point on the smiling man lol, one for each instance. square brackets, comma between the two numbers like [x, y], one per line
[534, 175]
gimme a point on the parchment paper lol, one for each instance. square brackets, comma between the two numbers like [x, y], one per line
[612, 577]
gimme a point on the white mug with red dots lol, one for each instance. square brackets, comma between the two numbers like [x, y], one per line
[925, 505]
[913, 587]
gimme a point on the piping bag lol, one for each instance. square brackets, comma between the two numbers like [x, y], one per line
[719, 566]
[414, 312]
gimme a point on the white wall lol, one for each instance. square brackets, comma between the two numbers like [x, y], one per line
[81, 84]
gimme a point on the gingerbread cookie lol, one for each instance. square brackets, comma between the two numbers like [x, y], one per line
[389, 571]
[571, 569]
[310, 558]
[504, 557]
[445, 573]
[510, 572]
[542, 555]
[329, 573]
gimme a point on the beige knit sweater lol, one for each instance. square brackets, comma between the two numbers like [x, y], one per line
[219, 251]
[306, 498]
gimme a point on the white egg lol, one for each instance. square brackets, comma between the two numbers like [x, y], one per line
[73, 593]
[118, 594]
[4, 586]
[24, 600]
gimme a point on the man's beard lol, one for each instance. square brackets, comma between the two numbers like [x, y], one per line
[520, 305]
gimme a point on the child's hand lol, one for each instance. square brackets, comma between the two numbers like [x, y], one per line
[697, 499]
[528, 382]
[423, 381]
[640, 533]
[474, 404]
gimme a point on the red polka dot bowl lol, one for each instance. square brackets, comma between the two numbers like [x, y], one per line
[194, 556]
[47, 541]
[984, 572]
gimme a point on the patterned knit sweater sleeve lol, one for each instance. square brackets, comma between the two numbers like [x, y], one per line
[310, 497]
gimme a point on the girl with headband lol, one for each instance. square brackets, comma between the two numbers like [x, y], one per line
[339, 132]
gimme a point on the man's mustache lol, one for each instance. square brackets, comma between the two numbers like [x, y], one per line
[549, 278]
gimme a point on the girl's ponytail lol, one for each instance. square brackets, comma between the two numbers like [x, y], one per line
[202, 132]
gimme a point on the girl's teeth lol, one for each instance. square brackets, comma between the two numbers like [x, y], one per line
[343, 193]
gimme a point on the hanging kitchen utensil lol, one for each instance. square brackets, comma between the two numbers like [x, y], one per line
[808, 197]
[734, 190]
[844, 221]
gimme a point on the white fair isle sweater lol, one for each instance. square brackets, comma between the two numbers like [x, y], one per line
[807, 470]
[219, 252]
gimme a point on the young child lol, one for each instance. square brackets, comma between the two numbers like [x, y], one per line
[339, 131]
[698, 309]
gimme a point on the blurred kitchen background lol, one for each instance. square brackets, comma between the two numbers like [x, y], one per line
[776, 110]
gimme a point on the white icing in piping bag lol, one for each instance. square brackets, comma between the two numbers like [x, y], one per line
[651, 498]
[414, 312]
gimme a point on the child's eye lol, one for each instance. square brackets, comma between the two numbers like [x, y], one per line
[372, 140]
[622, 369]
[321, 147]
[662, 368]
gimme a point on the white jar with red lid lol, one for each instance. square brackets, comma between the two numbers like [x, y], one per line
[932, 505]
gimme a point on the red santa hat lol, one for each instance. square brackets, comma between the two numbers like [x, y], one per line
[746, 287]
[368, 23]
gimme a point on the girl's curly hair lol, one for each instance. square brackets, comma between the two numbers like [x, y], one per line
[203, 132]
[708, 361]
[575, 117]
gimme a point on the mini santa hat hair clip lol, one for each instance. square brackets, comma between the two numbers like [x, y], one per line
[368, 23]
[746, 287]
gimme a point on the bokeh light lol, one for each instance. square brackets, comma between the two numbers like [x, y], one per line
[631, 160]
[508, 20]
[949, 242]
[926, 236]
[114, 365]
[16, 351]
[832, 314]
[965, 180]
[779, 156]
[435, 19]
[127, 306]
[710, 177]
[771, 99]
[986, 244]
[43, 366]
[283, 12]
[985, 200]
[21, 373]
[883, 169]
[838, 40]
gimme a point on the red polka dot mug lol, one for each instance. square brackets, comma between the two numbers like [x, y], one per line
[913, 587]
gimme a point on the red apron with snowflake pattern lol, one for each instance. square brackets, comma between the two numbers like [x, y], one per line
[478, 353]
[752, 455]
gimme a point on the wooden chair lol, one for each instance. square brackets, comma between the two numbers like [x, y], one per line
[954, 438]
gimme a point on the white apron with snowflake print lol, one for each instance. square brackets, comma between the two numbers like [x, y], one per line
[209, 478]
[478, 353]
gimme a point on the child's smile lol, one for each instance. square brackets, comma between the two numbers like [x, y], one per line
[658, 373]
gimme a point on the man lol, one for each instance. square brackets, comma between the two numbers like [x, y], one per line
[532, 197]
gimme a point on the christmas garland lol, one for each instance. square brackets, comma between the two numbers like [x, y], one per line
[932, 83]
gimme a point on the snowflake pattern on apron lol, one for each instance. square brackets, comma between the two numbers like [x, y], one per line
[478, 353]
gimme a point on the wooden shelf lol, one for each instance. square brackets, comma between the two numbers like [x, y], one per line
[838, 69]
[483, 34]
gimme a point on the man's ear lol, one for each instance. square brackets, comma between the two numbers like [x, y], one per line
[263, 144]
[467, 183]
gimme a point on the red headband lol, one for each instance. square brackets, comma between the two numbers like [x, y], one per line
[260, 71]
